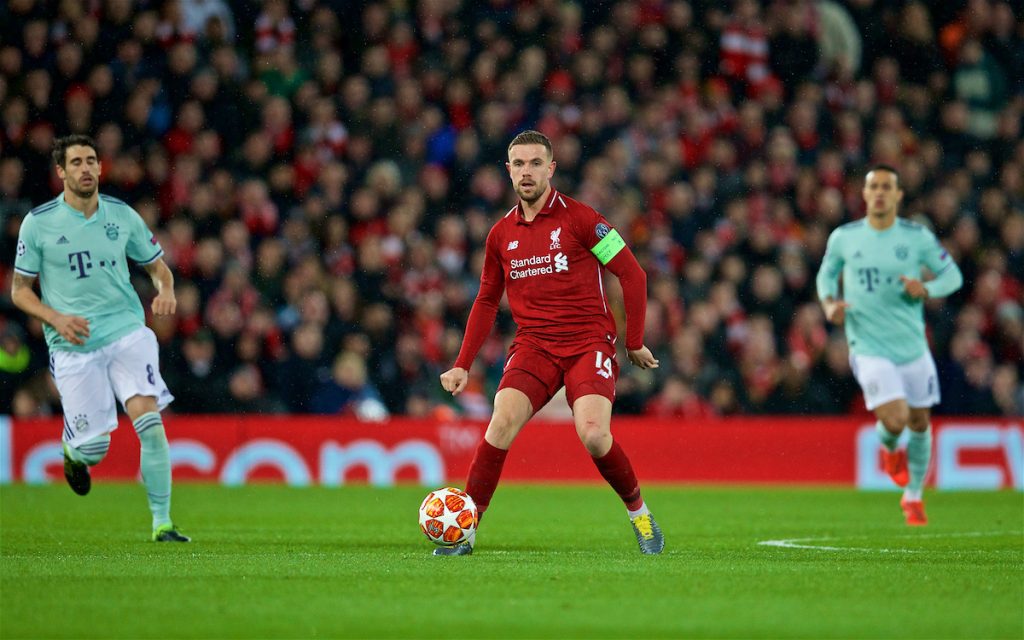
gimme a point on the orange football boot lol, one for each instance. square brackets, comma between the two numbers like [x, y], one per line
[913, 510]
[895, 463]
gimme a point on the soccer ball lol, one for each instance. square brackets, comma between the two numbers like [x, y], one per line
[447, 516]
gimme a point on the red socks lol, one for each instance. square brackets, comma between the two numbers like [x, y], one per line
[616, 469]
[484, 472]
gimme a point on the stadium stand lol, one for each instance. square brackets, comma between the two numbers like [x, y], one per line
[323, 173]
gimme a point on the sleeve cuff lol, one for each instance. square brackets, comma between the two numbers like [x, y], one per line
[158, 255]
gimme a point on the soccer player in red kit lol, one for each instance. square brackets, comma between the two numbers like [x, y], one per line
[549, 253]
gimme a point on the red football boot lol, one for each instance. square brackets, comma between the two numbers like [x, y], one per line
[895, 463]
[913, 511]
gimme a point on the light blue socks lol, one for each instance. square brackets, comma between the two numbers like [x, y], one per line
[155, 463]
[90, 452]
[888, 438]
[919, 456]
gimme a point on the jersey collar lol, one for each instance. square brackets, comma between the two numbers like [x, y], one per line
[75, 212]
[549, 206]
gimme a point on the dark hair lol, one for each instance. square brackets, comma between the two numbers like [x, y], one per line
[60, 146]
[879, 166]
[531, 137]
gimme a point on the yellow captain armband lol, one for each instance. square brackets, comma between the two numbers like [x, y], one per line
[610, 245]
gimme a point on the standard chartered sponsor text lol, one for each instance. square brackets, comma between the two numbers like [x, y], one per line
[517, 272]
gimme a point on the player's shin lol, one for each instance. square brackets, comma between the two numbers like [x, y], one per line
[888, 439]
[616, 469]
[484, 472]
[155, 462]
[919, 456]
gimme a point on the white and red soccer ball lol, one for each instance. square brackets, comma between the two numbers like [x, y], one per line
[448, 516]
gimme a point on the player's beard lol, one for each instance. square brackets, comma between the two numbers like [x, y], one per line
[538, 190]
[84, 192]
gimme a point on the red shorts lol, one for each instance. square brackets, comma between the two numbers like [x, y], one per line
[540, 375]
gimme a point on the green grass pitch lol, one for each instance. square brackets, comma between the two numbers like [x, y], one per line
[269, 561]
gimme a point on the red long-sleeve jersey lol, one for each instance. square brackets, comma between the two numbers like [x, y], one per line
[555, 281]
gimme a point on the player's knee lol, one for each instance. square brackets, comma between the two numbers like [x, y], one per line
[593, 436]
[895, 422]
[93, 451]
[894, 418]
[138, 406]
[919, 422]
[502, 430]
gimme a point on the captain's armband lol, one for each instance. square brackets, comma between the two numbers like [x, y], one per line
[609, 246]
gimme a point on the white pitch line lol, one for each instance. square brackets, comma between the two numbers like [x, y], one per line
[794, 543]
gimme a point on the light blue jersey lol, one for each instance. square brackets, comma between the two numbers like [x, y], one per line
[882, 319]
[83, 268]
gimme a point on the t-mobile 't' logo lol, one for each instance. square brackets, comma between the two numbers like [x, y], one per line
[80, 262]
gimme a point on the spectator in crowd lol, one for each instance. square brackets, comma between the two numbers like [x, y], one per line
[194, 372]
[798, 391]
[196, 15]
[305, 370]
[348, 391]
[15, 359]
[1007, 391]
[677, 399]
[247, 393]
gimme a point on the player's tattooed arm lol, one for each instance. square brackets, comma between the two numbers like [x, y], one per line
[164, 303]
[74, 329]
[21, 280]
[24, 296]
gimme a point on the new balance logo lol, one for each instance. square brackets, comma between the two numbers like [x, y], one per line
[63, 240]
[513, 245]
[561, 262]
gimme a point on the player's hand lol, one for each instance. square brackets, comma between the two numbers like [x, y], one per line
[642, 358]
[74, 329]
[835, 311]
[914, 288]
[454, 380]
[164, 303]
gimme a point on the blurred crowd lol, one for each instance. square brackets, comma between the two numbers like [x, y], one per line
[322, 175]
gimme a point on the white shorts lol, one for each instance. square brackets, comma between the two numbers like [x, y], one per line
[883, 381]
[89, 382]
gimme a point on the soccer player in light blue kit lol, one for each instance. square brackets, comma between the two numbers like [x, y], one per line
[78, 245]
[880, 260]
